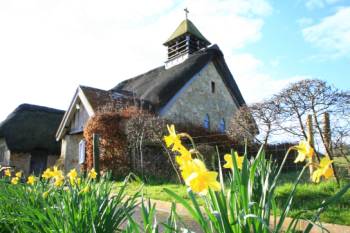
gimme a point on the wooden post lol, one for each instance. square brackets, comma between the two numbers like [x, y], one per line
[328, 142]
[327, 132]
[96, 154]
[310, 138]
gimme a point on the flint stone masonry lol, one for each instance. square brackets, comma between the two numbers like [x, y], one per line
[70, 151]
[21, 162]
[197, 100]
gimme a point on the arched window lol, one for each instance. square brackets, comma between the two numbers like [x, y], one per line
[222, 126]
[206, 122]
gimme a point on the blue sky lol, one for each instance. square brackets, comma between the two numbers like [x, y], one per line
[286, 50]
[48, 48]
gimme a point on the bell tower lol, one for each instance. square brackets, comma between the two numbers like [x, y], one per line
[184, 41]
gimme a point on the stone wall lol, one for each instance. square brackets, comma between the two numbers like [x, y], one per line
[6, 161]
[70, 151]
[21, 162]
[196, 100]
[51, 160]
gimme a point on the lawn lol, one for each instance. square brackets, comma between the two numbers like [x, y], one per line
[307, 197]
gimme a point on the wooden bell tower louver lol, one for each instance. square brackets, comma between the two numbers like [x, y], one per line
[186, 40]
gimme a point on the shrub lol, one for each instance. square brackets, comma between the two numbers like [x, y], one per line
[63, 204]
[113, 150]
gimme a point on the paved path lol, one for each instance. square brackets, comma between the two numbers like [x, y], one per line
[162, 217]
[164, 207]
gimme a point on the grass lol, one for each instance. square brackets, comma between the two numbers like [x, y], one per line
[308, 196]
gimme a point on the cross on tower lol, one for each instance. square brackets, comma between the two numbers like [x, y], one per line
[186, 12]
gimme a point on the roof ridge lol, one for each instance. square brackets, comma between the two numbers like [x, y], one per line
[34, 107]
[94, 88]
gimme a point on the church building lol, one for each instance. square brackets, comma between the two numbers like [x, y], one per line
[193, 86]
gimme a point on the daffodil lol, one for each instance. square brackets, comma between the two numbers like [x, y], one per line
[85, 190]
[8, 172]
[47, 174]
[229, 161]
[305, 150]
[31, 180]
[18, 174]
[189, 167]
[172, 139]
[46, 194]
[59, 180]
[324, 169]
[14, 180]
[56, 172]
[184, 157]
[72, 175]
[201, 181]
[78, 181]
[92, 174]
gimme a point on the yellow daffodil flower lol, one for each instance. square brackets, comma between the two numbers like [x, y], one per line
[304, 151]
[324, 169]
[8, 172]
[78, 181]
[92, 174]
[59, 180]
[172, 139]
[31, 180]
[47, 174]
[14, 180]
[46, 194]
[56, 172]
[229, 161]
[72, 175]
[201, 181]
[85, 190]
[189, 167]
[184, 157]
[18, 174]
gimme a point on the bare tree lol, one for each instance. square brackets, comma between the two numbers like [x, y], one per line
[340, 125]
[311, 96]
[144, 128]
[266, 115]
[255, 122]
[242, 125]
[315, 97]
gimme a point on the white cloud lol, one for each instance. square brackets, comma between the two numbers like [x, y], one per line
[48, 48]
[315, 4]
[331, 35]
[255, 84]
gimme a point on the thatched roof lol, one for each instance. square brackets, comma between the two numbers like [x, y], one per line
[98, 98]
[159, 85]
[31, 127]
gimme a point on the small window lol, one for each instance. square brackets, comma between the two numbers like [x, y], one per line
[82, 145]
[212, 87]
[206, 122]
[222, 126]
